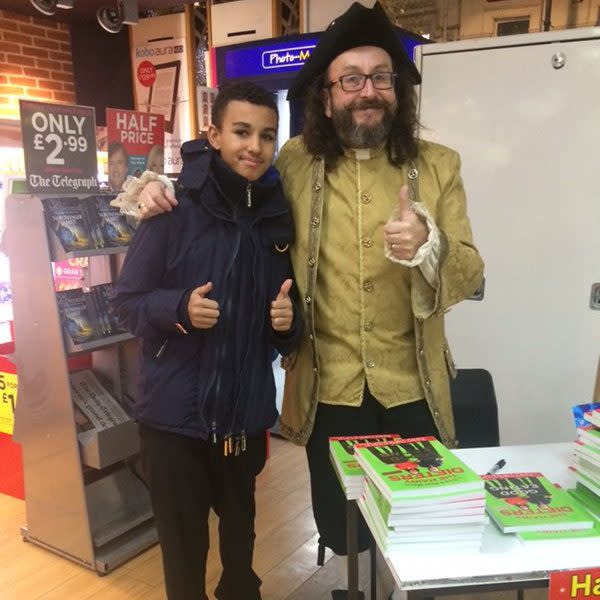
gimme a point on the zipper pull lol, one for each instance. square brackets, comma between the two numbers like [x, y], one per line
[243, 441]
[213, 433]
[162, 349]
[249, 195]
[237, 445]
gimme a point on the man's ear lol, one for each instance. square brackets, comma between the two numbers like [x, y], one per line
[214, 137]
[326, 98]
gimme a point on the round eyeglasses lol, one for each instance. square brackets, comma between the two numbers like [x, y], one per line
[354, 82]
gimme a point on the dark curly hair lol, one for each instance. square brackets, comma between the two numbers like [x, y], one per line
[320, 137]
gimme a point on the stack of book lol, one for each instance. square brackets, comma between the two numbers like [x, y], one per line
[346, 467]
[538, 511]
[420, 497]
[586, 453]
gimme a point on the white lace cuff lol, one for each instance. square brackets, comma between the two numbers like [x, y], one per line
[127, 200]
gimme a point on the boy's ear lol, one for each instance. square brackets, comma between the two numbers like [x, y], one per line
[214, 137]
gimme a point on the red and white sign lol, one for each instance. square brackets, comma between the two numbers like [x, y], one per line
[575, 585]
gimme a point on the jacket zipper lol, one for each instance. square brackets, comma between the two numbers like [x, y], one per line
[249, 195]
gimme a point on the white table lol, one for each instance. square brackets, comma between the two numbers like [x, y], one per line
[502, 561]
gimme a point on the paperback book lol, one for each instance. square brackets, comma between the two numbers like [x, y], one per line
[529, 502]
[69, 219]
[87, 223]
[593, 417]
[416, 467]
[589, 435]
[348, 471]
[77, 315]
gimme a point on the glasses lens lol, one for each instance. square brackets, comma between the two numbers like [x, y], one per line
[382, 81]
[353, 83]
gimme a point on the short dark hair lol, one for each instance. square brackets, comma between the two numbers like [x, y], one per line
[246, 91]
[321, 139]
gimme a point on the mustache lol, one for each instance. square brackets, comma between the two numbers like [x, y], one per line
[364, 104]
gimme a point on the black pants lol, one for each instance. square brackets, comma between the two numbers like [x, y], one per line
[187, 477]
[328, 499]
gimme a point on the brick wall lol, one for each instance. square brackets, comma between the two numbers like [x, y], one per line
[35, 62]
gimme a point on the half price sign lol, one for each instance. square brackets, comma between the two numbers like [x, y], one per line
[59, 142]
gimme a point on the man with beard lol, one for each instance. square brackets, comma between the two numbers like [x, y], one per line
[383, 249]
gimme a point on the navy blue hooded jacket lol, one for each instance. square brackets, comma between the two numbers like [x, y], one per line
[216, 381]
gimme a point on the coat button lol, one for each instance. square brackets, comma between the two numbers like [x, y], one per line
[367, 242]
[365, 198]
[421, 352]
[311, 337]
[316, 221]
[436, 413]
[308, 299]
[368, 286]
[427, 383]
[413, 174]
[371, 364]
[311, 262]
[368, 326]
[317, 187]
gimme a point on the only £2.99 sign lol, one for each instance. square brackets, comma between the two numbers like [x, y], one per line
[59, 142]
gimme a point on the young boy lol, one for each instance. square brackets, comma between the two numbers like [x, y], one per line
[209, 292]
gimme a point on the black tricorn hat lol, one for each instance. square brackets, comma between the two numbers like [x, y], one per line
[358, 26]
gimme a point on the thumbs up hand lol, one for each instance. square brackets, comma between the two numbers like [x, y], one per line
[203, 312]
[407, 232]
[282, 311]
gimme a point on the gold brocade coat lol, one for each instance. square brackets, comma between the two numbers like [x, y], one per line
[460, 271]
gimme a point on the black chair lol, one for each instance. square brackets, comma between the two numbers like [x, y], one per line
[475, 408]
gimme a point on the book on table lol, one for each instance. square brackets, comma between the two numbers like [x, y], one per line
[348, 471]
[593, 416]
[587, 452]
[414, 467]
[529, 502]
[589, 435]
[587, 498]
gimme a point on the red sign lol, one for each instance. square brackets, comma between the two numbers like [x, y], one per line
[575, 585]
[146, 73]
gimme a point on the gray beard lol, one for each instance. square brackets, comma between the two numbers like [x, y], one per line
[352, 135]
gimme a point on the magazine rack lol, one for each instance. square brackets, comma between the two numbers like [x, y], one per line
[91, 506]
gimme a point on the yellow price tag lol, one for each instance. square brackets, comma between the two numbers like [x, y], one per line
[8, 401]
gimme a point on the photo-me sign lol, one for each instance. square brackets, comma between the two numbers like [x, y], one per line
[260, 60]
[275, 62]
[59, 143]
[286, 58]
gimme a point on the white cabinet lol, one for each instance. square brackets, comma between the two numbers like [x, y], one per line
[529, 136]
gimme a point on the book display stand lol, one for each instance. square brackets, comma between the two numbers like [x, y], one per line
[84, 497]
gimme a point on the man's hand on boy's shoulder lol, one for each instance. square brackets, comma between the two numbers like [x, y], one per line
[282, 310]
[155, 199]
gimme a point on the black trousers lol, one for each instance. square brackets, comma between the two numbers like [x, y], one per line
[328, 499]
[187, 477]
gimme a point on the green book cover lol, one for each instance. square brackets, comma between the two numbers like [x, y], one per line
[529, 502]
[583, 477]
[342, 450]
[587, 498]
[415, 467]
[574, 535]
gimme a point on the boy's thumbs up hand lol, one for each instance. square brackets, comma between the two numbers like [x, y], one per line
[407, 233]
[203, 312]
[282, 311]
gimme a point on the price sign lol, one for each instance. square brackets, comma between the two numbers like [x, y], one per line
[59, 142]
[8, 401]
